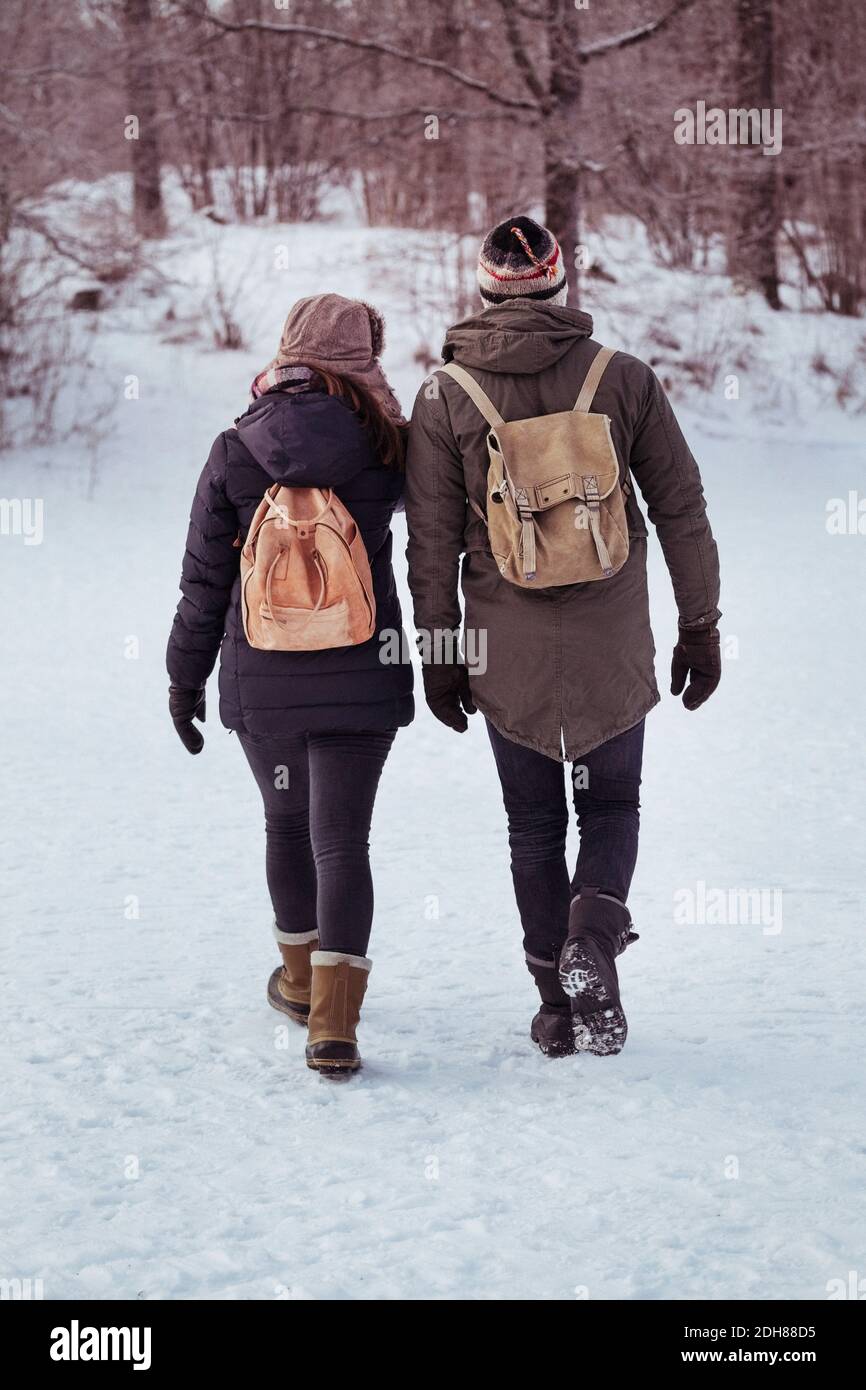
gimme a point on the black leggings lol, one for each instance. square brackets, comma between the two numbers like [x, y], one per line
[319, 791]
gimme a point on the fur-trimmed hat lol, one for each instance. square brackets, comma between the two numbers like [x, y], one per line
[343, 336]
[520, 259]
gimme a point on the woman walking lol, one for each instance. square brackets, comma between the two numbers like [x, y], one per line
[316, 723]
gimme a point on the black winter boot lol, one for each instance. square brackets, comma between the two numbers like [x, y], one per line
[551, 1029]
[599, 929]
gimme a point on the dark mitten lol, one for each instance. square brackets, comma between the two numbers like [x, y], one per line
[184, 706]
[447, 692]
[698, 658]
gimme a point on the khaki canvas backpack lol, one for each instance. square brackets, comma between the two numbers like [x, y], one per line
[305, 576]
[555, 504]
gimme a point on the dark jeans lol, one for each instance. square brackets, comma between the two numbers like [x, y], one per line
[605, 788]
[319, 791]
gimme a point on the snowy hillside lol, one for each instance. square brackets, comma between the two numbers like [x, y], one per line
[163, 1137]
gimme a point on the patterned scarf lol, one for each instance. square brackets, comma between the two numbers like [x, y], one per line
[274, 378]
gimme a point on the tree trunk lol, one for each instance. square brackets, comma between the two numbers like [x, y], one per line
[560, 131]
[753, 252]
[451, 181]
[147, 206]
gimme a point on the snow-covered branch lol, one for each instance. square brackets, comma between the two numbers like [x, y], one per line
[633, 36]
[376, 46]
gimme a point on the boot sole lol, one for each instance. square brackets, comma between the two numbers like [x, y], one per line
[333, 1057]
[298, 1012]
[333, 1070]
[598, 1021]
[558, 1049]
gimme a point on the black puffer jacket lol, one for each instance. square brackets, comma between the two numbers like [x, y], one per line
[308, 439]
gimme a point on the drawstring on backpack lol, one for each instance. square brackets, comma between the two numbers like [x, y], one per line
[323, 582]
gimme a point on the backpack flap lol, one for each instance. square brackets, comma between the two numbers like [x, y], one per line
[549, 455]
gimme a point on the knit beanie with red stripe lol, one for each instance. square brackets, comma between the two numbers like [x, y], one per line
[520, 259]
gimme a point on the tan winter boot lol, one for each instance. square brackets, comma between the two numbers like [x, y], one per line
[289, 986]
[339, 983]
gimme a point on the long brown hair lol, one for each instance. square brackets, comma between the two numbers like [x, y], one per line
[386, 435]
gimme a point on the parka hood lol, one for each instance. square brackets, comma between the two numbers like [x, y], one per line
[524, 337]
[279, 429]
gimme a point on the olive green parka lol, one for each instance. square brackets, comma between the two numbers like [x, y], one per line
[565, 668]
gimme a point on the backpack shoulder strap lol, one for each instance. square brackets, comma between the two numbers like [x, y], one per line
[475, 393]
[592, 378]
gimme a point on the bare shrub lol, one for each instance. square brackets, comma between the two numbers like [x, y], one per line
[220, 303]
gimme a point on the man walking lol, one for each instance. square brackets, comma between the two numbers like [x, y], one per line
[569, 665]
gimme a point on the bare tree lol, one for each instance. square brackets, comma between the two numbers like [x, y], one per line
[148, 211]
[753, 254]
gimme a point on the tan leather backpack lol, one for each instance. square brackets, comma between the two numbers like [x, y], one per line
[305, 576]
[555, 505]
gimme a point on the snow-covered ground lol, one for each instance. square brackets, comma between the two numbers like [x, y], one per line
[162, 1137]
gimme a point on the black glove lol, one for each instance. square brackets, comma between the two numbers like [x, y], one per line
[447, 692]
[184, 706]
[697, 656]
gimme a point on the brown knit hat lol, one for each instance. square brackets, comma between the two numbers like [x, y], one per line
[343, 336]
[521, 259]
